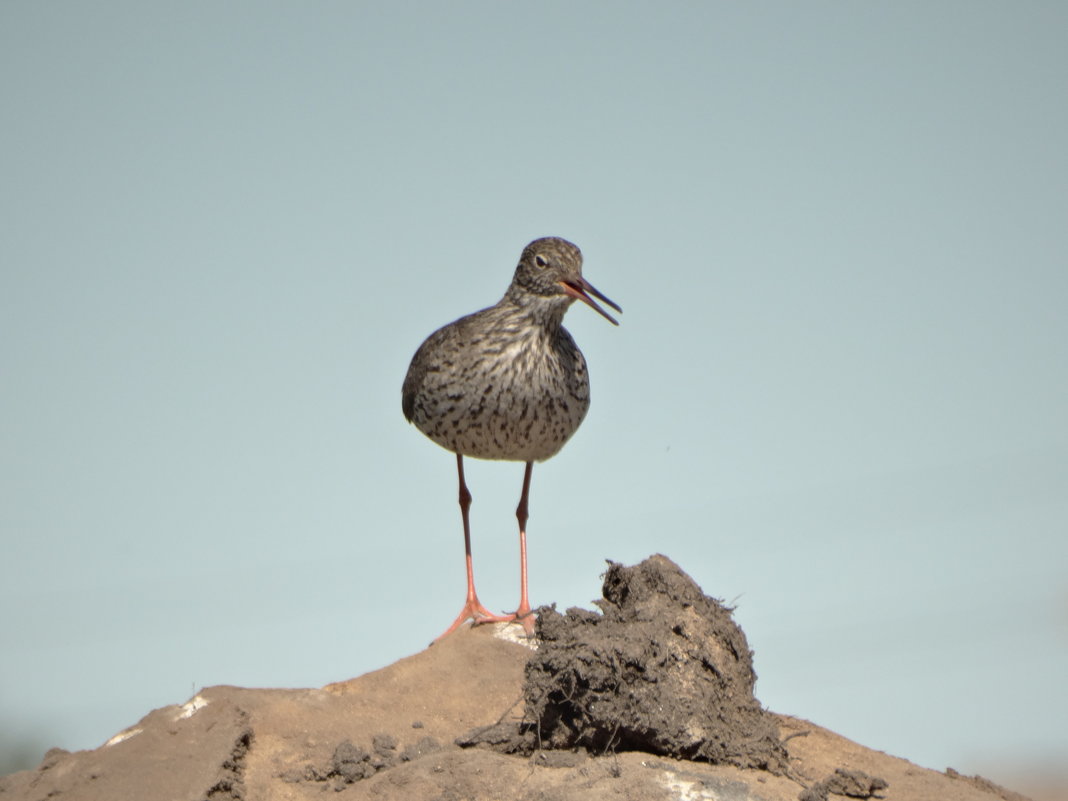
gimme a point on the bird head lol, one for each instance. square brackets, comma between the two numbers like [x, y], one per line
[551, 268]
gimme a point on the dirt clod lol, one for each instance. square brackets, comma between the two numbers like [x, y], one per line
[663, 669]
[384, 745]
[850, 783]
[350, 763]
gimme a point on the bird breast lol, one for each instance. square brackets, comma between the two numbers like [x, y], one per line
[516, 395]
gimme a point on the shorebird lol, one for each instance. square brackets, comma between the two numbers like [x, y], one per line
[507, 382]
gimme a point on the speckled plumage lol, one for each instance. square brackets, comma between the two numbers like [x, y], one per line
[507, 382]
[494, 386]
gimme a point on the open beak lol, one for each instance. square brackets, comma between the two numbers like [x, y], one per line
[581, 289]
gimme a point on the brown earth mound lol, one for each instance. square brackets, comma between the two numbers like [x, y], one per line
[663, 669]
[391, 734]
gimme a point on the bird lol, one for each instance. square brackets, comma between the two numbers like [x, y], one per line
[507, 383]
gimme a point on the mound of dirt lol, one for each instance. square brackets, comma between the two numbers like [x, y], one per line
[390, 735]
[662, 669]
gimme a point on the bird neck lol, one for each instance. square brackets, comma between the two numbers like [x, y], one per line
[546, 312]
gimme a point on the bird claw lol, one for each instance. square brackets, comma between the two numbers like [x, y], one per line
[479, 615]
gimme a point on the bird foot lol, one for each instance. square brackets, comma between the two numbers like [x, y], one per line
[478, 615]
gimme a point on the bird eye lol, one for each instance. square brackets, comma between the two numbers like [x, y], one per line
[541, 261]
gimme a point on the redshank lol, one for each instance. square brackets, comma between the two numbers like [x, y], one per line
[507, 382]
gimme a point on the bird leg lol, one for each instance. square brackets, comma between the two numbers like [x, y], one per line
[524, 614]
[473, 609]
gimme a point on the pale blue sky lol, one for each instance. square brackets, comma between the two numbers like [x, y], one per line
[837, 397]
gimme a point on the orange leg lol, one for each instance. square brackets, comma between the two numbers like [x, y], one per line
[473, 609]
[524, 614]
